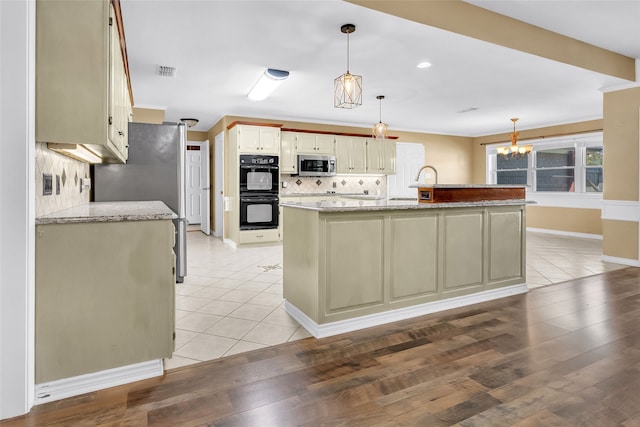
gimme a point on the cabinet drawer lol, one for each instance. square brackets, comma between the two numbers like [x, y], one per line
[258, 236]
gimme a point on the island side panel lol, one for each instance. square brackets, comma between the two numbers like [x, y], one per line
[463, 257]
[300, 253]
[104, 296]
[507, 247]
[414, 256]
[352, 259]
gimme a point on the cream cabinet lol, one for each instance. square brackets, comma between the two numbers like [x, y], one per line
[258, 139]
[311, 143]
[288, 154]
[351, 154]
[381, 156]
[82, 95]
[105, 296]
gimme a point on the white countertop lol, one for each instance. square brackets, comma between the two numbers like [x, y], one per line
[388, 204]
[109, 212]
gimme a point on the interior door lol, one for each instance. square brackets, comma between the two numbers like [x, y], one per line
[205, 200]
[218, 195]
[194, 183]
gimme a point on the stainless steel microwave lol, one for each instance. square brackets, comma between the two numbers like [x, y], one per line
[316, 165]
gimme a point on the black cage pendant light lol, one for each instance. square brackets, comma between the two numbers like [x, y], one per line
[347, 89]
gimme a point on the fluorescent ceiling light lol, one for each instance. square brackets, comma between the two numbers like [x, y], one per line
[267, 83]
[424, 65]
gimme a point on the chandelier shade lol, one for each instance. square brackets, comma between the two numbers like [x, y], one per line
[514, 149]
[347, 88]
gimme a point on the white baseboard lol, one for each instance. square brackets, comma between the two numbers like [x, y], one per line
[565, 233]
[230, 243]
[74, 386]
[623, 261]
[349, 325]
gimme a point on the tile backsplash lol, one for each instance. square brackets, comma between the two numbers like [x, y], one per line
[376, 185]
[65, 171]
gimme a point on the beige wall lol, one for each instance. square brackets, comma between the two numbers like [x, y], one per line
[148, 115]
[621, 144]
[621, 170]
[197, 135]
[586, 221]
[620, 239]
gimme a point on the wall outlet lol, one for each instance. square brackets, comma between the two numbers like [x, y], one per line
[285, 184]
[85, 184]
[57, 184]
[47, 184]
[334, 184]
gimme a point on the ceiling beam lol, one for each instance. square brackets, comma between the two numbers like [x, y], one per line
[482, 24]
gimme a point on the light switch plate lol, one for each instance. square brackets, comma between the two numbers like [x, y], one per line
[47, 184]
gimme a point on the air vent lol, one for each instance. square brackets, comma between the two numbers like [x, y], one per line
[467, 110]
[166, 71]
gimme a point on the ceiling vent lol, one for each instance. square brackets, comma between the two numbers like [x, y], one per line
[165, 71]
[467, 110]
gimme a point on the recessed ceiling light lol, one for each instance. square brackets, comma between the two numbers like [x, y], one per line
[424, 65]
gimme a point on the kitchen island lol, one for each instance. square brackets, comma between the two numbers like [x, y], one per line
[105, 296]
[351, 264]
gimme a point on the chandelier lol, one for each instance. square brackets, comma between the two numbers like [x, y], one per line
[514, 149]
[347, 89]
[380, 129]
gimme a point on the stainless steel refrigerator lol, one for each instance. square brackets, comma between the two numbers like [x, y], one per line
[155, 170]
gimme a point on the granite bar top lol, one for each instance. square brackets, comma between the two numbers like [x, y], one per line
[389, 204]
[109, 212]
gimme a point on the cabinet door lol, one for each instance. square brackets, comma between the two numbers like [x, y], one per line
[343, 154]
[269, 140]
[374, 156]
[288, 156]
[325, 144]
[306, 143]
[389, 157]
[359, 155]
[248, 139]
[118, 120]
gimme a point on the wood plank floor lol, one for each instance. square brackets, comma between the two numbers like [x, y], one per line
[562, 355]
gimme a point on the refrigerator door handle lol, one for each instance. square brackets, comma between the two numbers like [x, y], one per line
[182, 171]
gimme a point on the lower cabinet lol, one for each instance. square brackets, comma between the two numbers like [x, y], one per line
[105, 296]
[258, 236]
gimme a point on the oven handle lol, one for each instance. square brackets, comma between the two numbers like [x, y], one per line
[258, 199]
[258, 167]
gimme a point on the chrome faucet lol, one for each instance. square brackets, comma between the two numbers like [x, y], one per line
[435, 172]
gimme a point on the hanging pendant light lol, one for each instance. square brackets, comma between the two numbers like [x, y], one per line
[514, 149]
[380, 129]
[347, 89]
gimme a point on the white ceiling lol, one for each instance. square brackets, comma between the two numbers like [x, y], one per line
[221, 47]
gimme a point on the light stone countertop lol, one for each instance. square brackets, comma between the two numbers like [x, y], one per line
[387, 204]
[109, 212]
[465, 186]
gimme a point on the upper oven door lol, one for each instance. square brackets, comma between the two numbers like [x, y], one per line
[258, 178]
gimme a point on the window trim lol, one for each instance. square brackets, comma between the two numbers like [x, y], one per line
[577, 199]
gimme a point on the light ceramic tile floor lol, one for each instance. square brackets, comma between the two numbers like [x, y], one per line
[231, 299]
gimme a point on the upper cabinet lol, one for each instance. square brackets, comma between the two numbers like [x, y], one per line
[82, 93]
[311, 143]
[258, 139]
[381, 156]
[288, 154]
[351, 154]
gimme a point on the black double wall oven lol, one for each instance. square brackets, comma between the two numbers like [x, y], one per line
[259, 181]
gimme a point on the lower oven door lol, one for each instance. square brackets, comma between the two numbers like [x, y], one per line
[259, 212]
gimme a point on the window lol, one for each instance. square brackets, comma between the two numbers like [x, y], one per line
[560, 165]
[512, 170]
[555, 169]
[593, 169]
